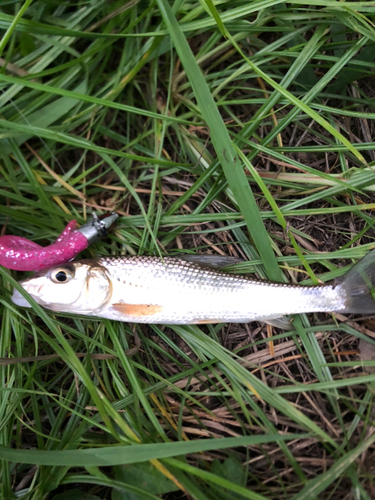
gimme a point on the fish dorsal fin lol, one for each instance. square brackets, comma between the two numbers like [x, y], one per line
[213, 261]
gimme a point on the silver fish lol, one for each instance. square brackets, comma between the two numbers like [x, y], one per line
[176, 291]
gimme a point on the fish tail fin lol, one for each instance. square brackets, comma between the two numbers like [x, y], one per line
[359, 286]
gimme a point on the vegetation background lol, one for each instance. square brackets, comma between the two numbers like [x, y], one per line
[234, 127]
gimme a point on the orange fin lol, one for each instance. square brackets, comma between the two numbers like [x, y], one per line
[137, 310]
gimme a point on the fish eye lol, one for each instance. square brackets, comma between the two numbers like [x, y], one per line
[62, 275]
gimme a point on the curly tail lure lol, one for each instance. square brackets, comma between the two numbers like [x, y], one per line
[21, 254]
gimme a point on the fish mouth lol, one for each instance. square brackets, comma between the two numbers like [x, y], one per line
[19, 300]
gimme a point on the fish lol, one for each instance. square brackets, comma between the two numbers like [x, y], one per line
[189, 290]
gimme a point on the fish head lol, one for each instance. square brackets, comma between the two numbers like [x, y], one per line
[81, 287]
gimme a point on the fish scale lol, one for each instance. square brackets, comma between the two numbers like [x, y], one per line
[172, 291]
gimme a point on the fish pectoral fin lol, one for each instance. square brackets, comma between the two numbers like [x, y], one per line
[213, 261]
[137, 310]
[283, 322]
[206, 321]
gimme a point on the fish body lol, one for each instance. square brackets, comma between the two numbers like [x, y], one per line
[173, 291]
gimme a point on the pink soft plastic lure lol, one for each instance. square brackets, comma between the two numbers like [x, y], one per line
[21, 254]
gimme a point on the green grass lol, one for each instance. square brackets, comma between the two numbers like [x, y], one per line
[237, 127]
